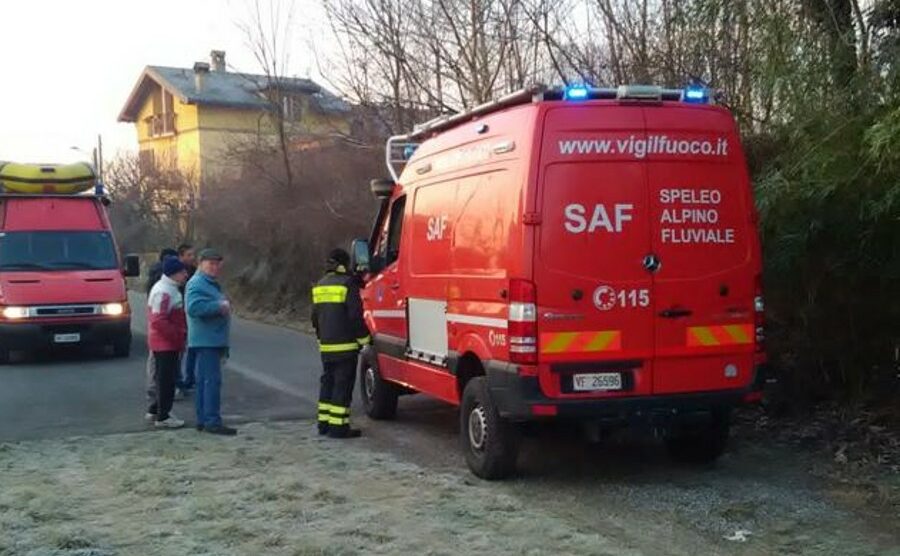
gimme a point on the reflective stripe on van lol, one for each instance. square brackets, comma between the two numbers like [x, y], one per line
[581, 342]
[726, 335]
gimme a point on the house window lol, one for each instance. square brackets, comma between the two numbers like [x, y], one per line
[168, 104]
[292, 108]
[157, 99]
[162, 121]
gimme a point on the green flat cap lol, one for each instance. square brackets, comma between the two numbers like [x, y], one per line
[210, 254]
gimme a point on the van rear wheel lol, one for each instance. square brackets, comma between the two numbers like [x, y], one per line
[379, 396]
[701, 444]
[490, 443]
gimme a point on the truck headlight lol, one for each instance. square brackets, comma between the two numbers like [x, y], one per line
[15, 313]
[113, 309]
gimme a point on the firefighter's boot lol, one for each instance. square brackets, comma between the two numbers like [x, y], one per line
[344, 431]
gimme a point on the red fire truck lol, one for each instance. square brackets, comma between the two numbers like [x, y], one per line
[582, 254]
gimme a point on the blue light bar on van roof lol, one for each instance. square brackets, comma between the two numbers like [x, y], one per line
[409, 150]
[576, 92]
[697, 95]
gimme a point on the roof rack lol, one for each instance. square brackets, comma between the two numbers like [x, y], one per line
[103, 198]
[399, 148]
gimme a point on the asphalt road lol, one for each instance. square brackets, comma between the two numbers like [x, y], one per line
[626, 487]
[272, 375]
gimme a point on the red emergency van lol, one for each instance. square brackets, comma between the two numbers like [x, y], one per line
[61, 276]
[581, 254]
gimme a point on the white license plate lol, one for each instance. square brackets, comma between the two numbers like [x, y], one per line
[597, 381]
[66, 338]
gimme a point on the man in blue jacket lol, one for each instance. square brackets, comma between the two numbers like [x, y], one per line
[209, 316]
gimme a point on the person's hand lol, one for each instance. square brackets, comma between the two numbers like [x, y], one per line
[225, 307]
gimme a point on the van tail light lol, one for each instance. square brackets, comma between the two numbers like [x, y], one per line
[759, 311]
[523, 336]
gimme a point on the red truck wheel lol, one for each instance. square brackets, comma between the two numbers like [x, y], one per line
[379, 396]
[490, 443]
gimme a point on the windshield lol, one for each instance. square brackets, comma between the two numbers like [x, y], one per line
[57, 251]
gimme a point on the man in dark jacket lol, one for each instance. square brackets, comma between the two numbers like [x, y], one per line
[187, 376]
[337, 316]
[156, 269]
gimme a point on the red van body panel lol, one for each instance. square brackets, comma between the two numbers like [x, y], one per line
[53, 213]
[80, 286]
[633, 223]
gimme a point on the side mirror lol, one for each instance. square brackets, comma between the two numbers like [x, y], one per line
[382, 189]
[359, 256]
[132, 266]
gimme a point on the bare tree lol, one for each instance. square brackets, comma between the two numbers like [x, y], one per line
[419, 58]
[151, 204]
[267, 35]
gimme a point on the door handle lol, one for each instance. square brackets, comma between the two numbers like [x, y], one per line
[675, 313]
[395, 286]
[651, 263]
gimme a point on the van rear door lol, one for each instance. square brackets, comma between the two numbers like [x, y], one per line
[704, 239]
[595, 314]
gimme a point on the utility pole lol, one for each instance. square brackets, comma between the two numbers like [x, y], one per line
[98, 161]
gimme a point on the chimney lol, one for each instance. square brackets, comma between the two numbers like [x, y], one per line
[200, 71]
[217, 57]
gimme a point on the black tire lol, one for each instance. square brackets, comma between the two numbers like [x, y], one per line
[701, 444]
[379, 397]
[490, 443]
[122, 347]
[4, 357]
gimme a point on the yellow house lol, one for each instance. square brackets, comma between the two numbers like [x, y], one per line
[194, 120]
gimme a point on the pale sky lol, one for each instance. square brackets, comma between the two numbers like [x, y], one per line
[68, 66]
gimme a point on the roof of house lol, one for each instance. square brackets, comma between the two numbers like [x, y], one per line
[226, 89]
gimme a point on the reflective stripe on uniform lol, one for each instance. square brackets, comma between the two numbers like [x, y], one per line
[324, 411]
[339, 415]
[338, 348]
[364, 341]
[329, 294]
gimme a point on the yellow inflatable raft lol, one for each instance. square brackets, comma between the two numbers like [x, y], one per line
[62, 179]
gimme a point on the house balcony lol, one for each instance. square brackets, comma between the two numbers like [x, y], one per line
[159, 125]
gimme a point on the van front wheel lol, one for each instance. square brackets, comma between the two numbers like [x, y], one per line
[490, 443]
[379, 396]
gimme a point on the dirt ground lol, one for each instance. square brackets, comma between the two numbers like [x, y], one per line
[278, 489]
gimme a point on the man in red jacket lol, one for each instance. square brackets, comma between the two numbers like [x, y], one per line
[166, 337]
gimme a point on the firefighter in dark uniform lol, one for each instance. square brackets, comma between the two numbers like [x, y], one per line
[337, 316]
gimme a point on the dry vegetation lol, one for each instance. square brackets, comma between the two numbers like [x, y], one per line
[273, 490]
